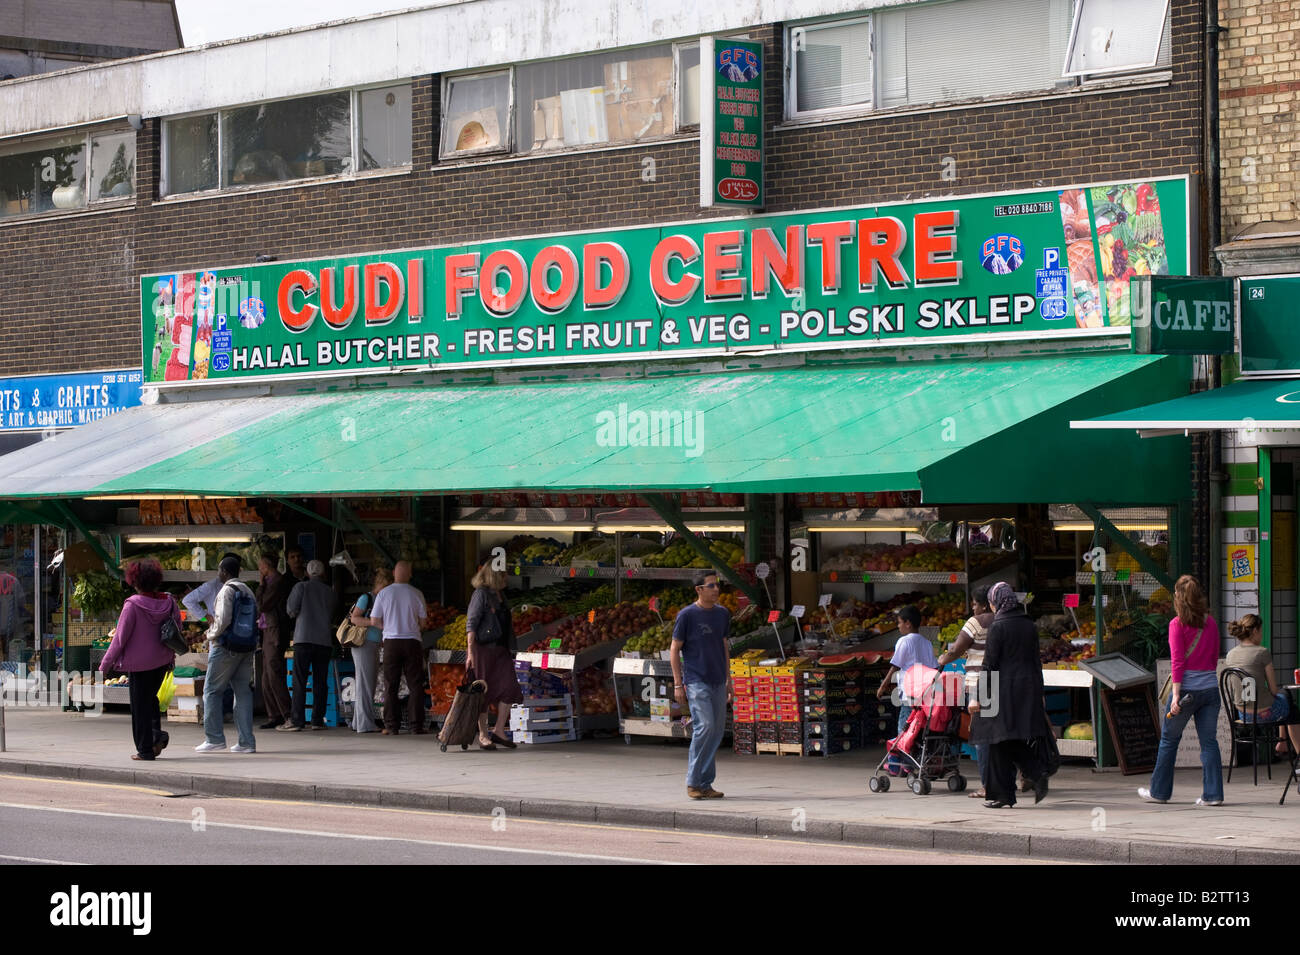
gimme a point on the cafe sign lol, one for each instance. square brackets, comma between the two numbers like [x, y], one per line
[1049, 264]
[1182, 315]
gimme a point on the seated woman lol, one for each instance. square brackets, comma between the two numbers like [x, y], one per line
[1271, 703]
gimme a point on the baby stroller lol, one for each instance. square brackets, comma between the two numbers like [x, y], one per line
[928, 748]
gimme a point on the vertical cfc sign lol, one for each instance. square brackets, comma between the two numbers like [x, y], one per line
[731, 123]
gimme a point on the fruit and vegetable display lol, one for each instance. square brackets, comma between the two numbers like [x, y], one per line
[681, 554]
[597, 549]
[596, 692]
[97, 592]
[913, 558]
[453, 635]
[1078, 731]
[443, 680]
[652, 640]
[436, 615]
[525, 620]
[607, 624]
[946, 636]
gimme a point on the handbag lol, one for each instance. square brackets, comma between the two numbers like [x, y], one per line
[170, 635]
[1167, 688]
[350, 634]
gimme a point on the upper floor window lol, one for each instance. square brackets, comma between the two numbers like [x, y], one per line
[66, 172]
[922, 53]
[285, 140]
[623, 96]
[1112, 36]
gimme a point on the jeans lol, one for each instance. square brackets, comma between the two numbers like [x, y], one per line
[904, 711]
[234, 670]
[708, 722]
[982, 761]
[1204, 708]
[366, 661]
[308, 658]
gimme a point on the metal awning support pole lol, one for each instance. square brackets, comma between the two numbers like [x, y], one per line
[365, 532]
[673, 517]
[1128, 546]
[309, 513]
[110, 563]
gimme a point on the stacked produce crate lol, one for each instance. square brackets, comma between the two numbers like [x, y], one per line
[767, 713]
[880, 717]
[744, 713]
[835, 705]
[187, 703]
[546, 715]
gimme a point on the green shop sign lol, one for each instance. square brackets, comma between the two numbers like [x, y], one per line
[731, 128]
[1270, 325]
[1049, 264]
[1182, 315]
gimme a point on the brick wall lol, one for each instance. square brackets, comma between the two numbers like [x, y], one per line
[1259, 81]
[70, 286]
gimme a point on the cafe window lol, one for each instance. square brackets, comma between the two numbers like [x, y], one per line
[624, 96]
[920, 54]
[62, 173]
[287, 140]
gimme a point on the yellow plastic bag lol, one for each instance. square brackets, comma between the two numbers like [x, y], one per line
[166, 692]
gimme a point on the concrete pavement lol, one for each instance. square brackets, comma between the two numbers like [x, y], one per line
[1088, 816]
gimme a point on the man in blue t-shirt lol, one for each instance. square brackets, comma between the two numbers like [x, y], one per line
[699, 659]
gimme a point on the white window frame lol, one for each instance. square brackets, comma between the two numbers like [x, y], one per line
[792, 33]
[165, 150]
[356, 128]
[506, 148]
[87, 135]
[679, 87]
[1144, 66]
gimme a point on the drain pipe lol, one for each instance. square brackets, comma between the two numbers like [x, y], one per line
[1210, 147]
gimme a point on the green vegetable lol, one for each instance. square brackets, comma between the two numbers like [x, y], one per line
[97, 592]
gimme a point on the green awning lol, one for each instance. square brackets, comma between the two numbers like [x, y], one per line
[960, 431]
[1242, 405]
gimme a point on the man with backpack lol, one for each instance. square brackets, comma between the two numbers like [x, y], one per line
[232, 638]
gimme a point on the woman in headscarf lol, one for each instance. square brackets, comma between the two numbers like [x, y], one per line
[1012, 683]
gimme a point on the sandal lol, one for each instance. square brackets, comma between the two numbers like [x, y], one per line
[486, 746]
[998, 804]
[508, 744]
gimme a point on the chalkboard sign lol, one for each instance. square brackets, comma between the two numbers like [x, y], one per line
[1134, 727]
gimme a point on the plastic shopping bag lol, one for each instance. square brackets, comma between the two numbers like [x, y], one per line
[166, 692]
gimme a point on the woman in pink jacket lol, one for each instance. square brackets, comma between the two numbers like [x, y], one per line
[138, 651]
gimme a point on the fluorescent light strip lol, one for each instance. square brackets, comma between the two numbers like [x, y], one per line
[1084, 528]
[664, 528]
[864, 529]
[522, 527]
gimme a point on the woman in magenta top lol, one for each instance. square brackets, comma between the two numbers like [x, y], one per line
[137, 650]
[1194, 655]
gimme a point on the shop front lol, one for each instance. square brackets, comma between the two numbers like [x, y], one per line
[866, 405]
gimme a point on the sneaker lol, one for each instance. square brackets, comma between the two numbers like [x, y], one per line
[711, 793]
[206, 747]
[1208, 802]
[240, 748]
[1144, 793]
[695, 793]
[288, 728]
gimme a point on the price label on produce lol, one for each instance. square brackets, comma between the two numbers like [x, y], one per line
[773, 616]
[1121, 575]
[573, 571]
[835, 576]
[762, 571]
[1070, 600]
[654, 604]
[824, 600]
[556, 643]
[797, 611]
[866, 578]
[952, 578]
[742, 601]
[591, 616]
